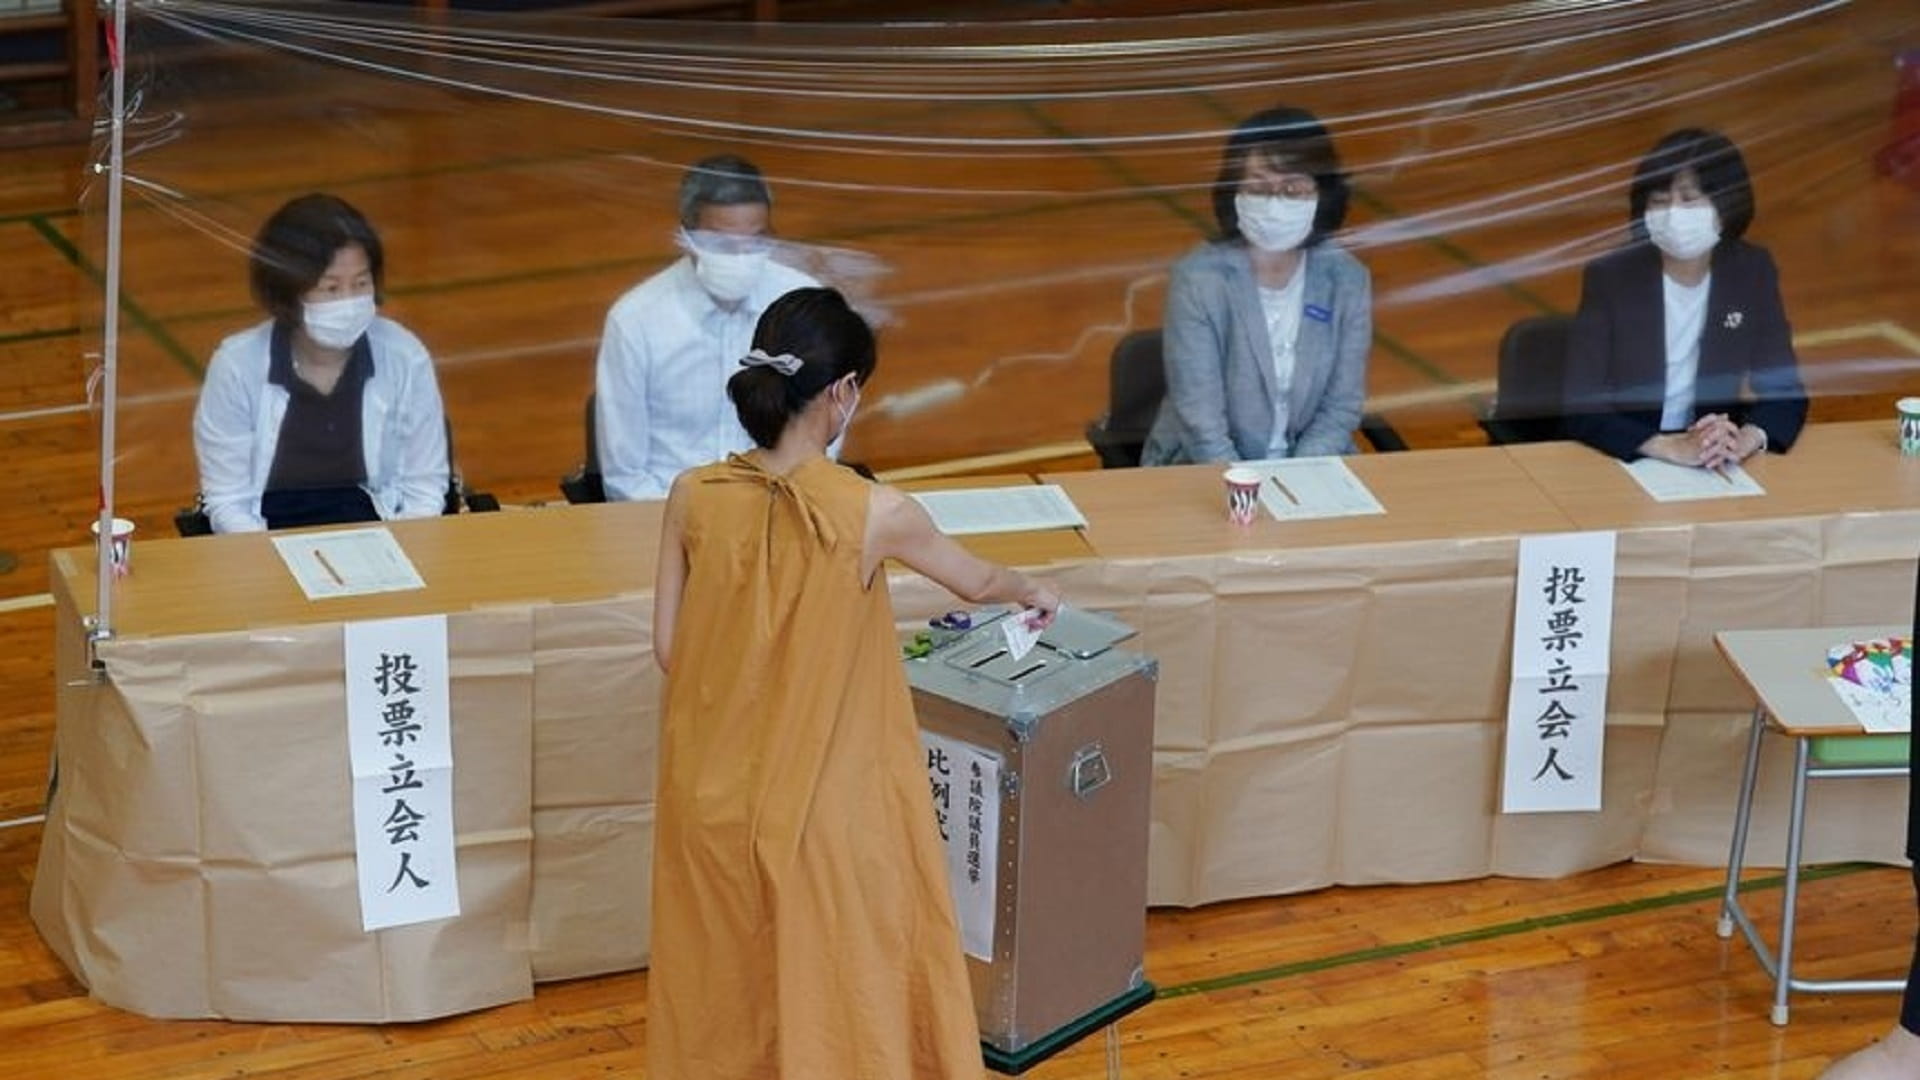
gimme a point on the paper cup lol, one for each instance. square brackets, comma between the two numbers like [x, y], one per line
[1243, 494]
[122, 552]
[1909, 426]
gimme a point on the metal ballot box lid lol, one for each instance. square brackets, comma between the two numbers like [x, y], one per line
[1073, 658]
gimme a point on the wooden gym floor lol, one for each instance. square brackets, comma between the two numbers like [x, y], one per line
[1011, 269]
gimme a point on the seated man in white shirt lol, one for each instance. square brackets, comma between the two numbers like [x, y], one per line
[672, 341]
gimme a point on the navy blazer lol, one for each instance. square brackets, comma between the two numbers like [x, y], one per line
[1617, 356]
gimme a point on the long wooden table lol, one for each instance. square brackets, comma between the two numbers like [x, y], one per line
[1329, 711]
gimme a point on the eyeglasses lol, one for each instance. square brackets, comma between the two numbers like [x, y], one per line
[1290, 187]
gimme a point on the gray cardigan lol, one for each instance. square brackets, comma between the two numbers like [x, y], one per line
[1219, 404]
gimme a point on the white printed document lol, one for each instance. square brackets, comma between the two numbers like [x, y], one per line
[1294, 489]
[966, 806]
[352, 562]
[1022, 508]
[1668, 482]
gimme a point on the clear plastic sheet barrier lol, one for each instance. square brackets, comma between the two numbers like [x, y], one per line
[1006, 198]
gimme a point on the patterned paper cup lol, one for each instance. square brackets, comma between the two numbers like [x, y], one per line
[1243, 494]
[1909, 426]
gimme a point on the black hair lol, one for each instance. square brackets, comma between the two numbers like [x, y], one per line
[1714, 160]
[296, 246]
[1297, 139]
[831, 340]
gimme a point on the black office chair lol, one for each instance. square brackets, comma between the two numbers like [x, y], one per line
[585, 484]
[1136, 381]
[458, 493]
[193, 520]
[1529, 397]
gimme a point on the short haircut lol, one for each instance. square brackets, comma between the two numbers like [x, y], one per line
[724, 180]
[298, 243]
[1296, 139]
[831, 340]
[1719, 166]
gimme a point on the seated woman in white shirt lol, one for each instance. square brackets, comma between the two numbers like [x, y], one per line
[326, 412]
[1681, 350]
[1269, 325]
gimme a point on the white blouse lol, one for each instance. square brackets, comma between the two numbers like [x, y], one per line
[1686, 312]
[1282, 307]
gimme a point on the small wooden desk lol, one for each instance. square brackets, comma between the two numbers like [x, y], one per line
[1784, 670]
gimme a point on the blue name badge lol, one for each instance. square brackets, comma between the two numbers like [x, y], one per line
[1318, 313]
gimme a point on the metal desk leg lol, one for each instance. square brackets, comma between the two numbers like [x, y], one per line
[1742, 817]
[1796, 826]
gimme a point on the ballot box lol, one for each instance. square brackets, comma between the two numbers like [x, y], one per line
[1041, 768]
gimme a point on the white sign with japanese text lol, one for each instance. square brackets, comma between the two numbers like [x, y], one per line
[400, 745]
[966, 805]
[1557, 702]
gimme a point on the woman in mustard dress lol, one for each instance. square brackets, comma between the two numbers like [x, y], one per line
[802, 924]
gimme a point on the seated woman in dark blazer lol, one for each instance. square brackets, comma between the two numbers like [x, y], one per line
[1681, 350]
[1268, 326]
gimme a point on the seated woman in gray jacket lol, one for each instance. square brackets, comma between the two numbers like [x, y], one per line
[1268, 326]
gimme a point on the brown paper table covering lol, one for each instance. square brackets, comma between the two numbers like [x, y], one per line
[1832, 543]
[198, 859]
[1328, 711]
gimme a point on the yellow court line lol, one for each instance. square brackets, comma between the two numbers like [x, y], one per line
[26, 603]
[987, 462]
[1900, 335]
[1885, 328]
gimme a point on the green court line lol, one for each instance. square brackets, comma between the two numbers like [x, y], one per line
[1464, 257]
[1113, 165]
[25, 336]
[134, 312]
[1404, 352]
[32, 215]
[1499, 930]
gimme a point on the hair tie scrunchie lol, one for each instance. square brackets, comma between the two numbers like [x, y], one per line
[786, 363]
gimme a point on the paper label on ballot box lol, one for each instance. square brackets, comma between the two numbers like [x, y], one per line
[400, 746]
[965, 780]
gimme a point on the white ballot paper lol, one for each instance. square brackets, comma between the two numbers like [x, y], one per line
[1019, 633]
[352, 562]
[1022, 508]
[1316, 487]
[1668, 482]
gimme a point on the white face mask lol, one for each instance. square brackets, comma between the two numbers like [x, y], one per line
[337, 324]
[1275, 222]
[1683, 232]
[726, 275]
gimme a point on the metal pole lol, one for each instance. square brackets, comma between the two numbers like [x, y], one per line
[110, 350]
